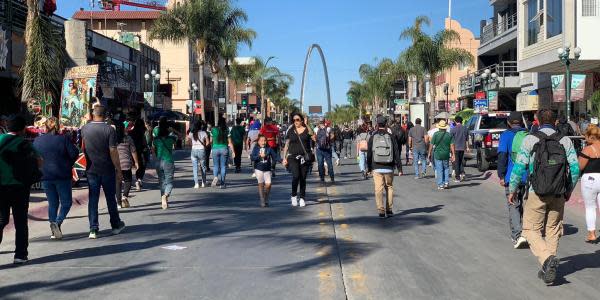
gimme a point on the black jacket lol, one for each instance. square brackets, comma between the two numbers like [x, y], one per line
[397, 163]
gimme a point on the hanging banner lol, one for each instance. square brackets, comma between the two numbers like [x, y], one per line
[493, 97]
[527, 102]
[577, 87]
[79, 86]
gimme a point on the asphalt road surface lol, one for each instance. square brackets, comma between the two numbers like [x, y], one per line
[219, 244]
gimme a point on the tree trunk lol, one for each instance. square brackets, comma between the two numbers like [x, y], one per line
[33, 11]
[201, 84]
[432, 93]
[215, 78]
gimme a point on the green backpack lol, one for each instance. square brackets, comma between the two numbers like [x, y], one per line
[517, 142]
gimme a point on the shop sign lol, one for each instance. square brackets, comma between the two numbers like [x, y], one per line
[481, 105]
[480, 95]
[577, 87]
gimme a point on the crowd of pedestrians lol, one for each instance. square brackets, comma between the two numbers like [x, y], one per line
[538, 166]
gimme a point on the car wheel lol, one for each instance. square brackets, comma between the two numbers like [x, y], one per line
[482, 163]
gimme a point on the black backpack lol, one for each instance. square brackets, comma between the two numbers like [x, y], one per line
[565, 129]
[399, 134]
[550, 175]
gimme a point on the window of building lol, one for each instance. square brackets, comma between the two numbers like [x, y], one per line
[535, 19]
[589, 8]
[554, 12]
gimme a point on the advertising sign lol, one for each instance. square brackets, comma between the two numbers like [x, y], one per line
[79, 86]
[481, 105]
[577, 87]
[402, 106]
[527, 102]
[480, 95]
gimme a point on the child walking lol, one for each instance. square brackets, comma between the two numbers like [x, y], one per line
[128, 159]
[263, 157]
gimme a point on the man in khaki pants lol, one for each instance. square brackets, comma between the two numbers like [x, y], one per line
[545, 212]
[383, 155]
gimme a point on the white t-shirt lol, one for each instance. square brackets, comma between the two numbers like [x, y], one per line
[202, 136]
[432, 131]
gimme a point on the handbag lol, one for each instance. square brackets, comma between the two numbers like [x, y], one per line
[308, 158]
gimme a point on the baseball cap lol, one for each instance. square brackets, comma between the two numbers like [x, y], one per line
[515, 116]
[381, 120]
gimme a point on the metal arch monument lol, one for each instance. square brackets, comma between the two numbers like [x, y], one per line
[306, 60]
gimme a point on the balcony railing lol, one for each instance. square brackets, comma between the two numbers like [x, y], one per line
[495, 29]
[472, 82]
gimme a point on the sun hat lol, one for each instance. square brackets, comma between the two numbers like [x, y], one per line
[442, 124]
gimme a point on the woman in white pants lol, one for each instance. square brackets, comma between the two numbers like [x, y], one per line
[589, 164]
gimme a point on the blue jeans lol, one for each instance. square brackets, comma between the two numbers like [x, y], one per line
[58, 193]
[362, 161]
[420, 156]
[199, 156]
[515, 211]
[322, 157]
[442, 171]
[108, 184]
[220, 158]
[165, 172]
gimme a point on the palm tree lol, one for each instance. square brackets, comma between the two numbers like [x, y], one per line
[357, 96]
[342, 114]
[378, 82]
[266, 79]
[44, 62]
[211, 26]
[431, 55]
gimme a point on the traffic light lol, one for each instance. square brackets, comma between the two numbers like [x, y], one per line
[244, 100]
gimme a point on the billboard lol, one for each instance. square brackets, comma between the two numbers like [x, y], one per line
[79, 86]
[315, 109]
[577, 87]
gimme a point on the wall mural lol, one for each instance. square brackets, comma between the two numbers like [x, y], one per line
[79, 86]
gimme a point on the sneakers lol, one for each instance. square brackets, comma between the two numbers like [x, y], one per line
[548, 271]
[223, 186]
[520, 242]
[197, 186]
[294, 201]
[20, 261]
[273, 175]
[138, 185]
[164, 199]
[441, 187]
[382, 215]
[55, 228]
[203, 184]
[462, 177]
[125, 202]
[302, 203]
[446, 185]
[93, 234]
[118, 230]
[389, 213]
[215, 181]
[253, 175]
[337, 162]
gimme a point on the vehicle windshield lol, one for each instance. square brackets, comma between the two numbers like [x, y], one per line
[495, 122]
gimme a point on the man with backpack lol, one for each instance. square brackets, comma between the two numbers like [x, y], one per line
[324, 151]
[508, 149]
[460, 134]
[383, 155]
[399, 138]
[551, 162]
[19, 169]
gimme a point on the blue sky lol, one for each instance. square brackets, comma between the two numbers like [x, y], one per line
[351, 33]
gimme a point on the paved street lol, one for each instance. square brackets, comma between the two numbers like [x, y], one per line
[442, 245]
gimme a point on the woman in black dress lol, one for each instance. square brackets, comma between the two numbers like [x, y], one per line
[297, 155]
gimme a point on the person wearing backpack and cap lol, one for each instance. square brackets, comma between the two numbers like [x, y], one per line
[508, 149]
[442, 149]
[383, 155]
[551, 162]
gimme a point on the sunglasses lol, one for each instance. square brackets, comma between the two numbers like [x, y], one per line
[297, 120]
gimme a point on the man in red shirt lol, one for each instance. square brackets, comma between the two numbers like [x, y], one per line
[271, 131]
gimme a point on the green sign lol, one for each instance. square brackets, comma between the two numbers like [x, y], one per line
[400, 101]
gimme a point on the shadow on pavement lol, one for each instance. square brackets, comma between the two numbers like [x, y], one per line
[575, 263]
[80, 282]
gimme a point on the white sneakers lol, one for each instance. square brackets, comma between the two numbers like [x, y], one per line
[298, 202]
[214, 182]
[138, 185]
[164, 201]
[197, 186]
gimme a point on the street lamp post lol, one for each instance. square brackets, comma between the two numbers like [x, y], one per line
[193, 90]
[447, 92]
[563, 55]
[155, 77]
[488, 77]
